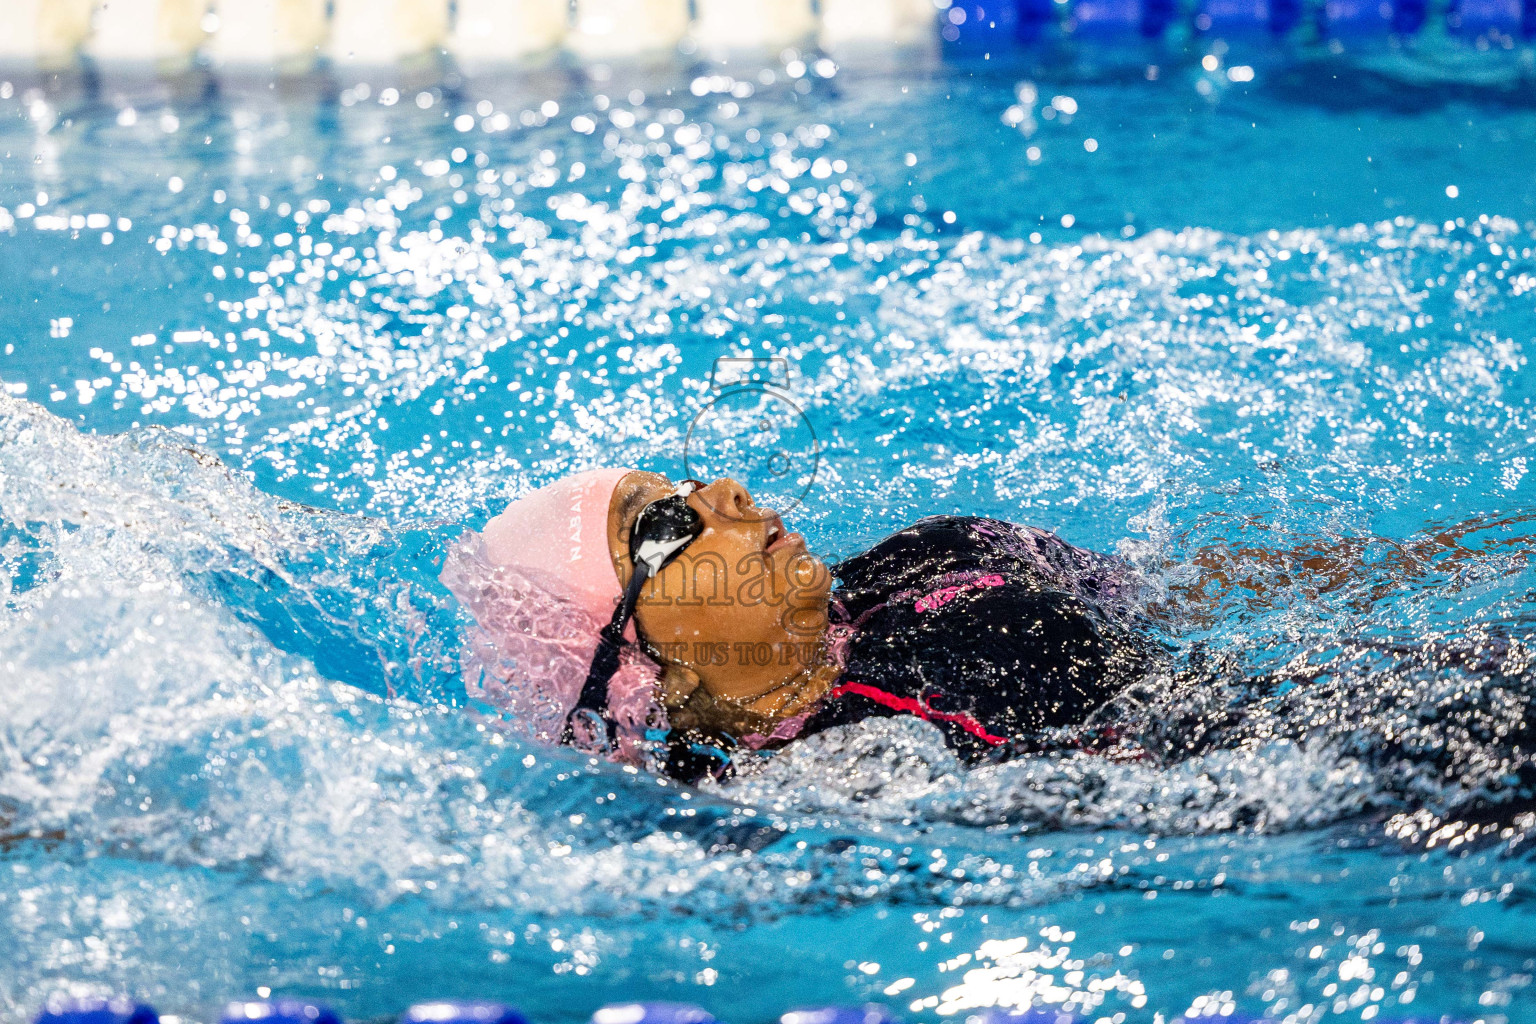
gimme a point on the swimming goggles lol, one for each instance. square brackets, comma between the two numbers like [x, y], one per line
[662, 530]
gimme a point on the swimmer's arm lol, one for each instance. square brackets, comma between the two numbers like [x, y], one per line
[285, 505]
[1330, 565]
[11, 838]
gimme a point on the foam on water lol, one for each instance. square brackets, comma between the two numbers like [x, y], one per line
[234, 721]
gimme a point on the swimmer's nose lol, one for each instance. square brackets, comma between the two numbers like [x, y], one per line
[729, 500]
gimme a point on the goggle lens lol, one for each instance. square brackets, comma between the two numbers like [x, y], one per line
[665, 527]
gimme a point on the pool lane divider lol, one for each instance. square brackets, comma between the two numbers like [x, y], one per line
[726, 25]
[653, 1013]
[273, 1011]
[1236, 19]
[150, 32]
[1506, 19]
[889, 22]
[1146, 18]
[840, 1015]
[613, 28]
[1353, 18]
[62, 1009]
[454, 1011]
[287, 36]
[95, 1010]
[371, 33]
[496, 31]
[49, 31]
[274, 32]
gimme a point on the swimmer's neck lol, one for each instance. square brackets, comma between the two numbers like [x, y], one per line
[792, 695]
[774, 692]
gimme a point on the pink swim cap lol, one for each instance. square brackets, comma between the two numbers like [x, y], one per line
[559, 533]
[541, 585]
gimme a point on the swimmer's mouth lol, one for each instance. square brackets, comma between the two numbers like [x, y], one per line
[775, 536]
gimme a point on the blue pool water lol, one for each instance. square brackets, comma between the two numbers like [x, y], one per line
[266, 352]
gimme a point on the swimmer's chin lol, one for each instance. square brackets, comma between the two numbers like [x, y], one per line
[790, 554]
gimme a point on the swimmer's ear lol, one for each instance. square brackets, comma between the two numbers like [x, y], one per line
[677, 685]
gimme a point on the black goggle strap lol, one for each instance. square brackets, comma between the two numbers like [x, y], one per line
[593, 702]
[650, 556]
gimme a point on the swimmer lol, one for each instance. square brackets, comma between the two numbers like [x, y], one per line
[673, 624]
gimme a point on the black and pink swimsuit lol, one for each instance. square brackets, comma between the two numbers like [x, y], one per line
[991, 631]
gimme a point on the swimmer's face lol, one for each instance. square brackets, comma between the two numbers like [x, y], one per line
[743, 602]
